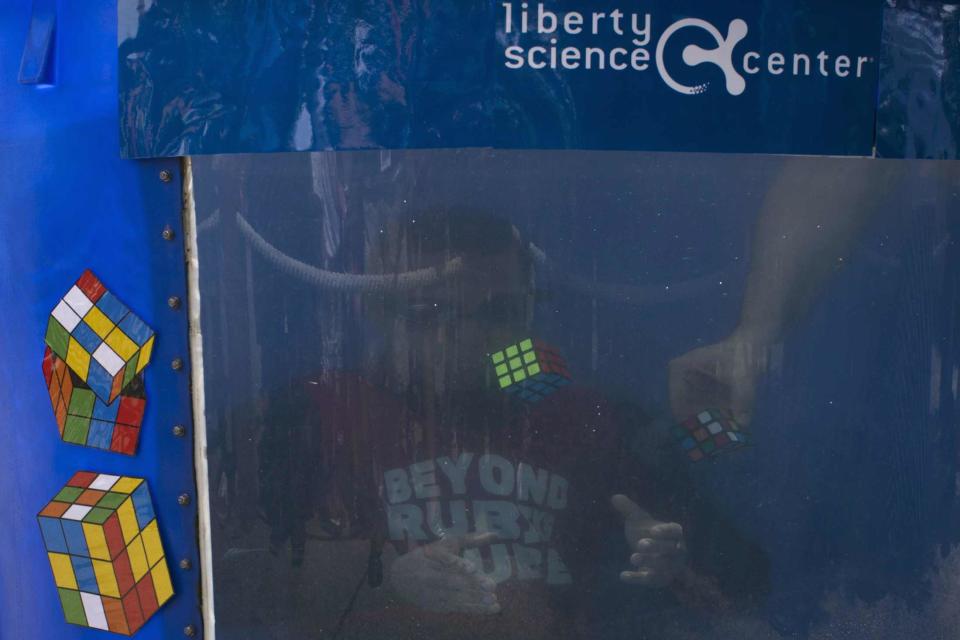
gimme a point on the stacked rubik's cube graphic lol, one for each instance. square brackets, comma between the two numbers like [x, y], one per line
[709, 433]
[104, 547]
[530, 369]
[100, 339]
[85, 419]
[105, 347]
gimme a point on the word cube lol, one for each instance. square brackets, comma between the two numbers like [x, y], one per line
[530, 369]
[104, 547]
[85, 419]
[709, 433]
[101, 340]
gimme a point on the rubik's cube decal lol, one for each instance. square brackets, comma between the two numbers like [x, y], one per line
[709, 433]
[99, 338]
[85, 419]
[530, 369]
[104, 547]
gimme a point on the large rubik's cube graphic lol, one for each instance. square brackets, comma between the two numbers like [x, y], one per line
[104, 547]
[99, 338]
[85, 419]
[530, 369]
[708, 434]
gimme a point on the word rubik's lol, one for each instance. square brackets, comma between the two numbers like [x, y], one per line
[530, 369]
[104, 547]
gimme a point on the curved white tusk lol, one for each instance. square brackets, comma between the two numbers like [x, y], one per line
[347, 282]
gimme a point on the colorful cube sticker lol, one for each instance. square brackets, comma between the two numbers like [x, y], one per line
[530, 369]
[104, 547]
[709, 433]
[99, 338]
[85, 419]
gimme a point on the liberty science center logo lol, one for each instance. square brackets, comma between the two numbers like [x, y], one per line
[694, 55]
[560, 36]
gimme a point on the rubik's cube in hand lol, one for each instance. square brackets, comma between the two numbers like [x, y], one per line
[530, 369]
[104, 547]
[85, 419]
[709, 433]
[99, 338]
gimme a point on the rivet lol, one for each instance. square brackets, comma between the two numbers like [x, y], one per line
[166, 176]
[177, 364]
[173, 302]
[183, 499]
[168, 233]
[179, 430]
[189, 631]
[186, 565]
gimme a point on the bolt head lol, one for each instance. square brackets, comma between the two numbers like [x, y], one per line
[177, 364]
[173, 302]
[168, 233]
[179, 430]
[183, 499]
[186, 565]
[166, 176]
[190, 631]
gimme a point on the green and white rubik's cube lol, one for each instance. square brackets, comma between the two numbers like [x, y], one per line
[530, 369]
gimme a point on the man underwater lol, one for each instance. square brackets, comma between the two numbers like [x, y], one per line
[500, 511]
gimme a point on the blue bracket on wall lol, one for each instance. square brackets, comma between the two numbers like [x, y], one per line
[37, 62]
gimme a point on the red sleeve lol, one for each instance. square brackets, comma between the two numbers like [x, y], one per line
[357, 424]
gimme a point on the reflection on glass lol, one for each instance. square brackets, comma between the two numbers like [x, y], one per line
[477, 394]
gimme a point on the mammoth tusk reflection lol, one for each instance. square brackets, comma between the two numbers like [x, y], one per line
[404, 281]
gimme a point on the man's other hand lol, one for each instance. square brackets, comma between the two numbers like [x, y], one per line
[658, 552]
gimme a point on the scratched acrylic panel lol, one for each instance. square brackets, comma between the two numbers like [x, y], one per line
[487, 394]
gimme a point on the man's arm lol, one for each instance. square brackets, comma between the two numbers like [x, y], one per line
[810, 217]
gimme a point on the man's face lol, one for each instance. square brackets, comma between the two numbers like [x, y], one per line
[452, 326]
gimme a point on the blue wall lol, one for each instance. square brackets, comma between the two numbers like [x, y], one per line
[67, 202]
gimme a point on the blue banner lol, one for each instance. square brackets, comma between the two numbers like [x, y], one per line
[759, 76]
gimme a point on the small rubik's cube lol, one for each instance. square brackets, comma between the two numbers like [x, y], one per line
[85, 419]
[709, 433]
[101, 340]
[104, 547]
[530, 369]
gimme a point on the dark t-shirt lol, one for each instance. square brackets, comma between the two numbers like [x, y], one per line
[540, 476]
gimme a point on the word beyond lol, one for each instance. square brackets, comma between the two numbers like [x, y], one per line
[632, 33]
[519, 502]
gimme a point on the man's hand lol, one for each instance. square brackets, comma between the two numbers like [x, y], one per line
[434, 577]
[659, 552]
[719, 376]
